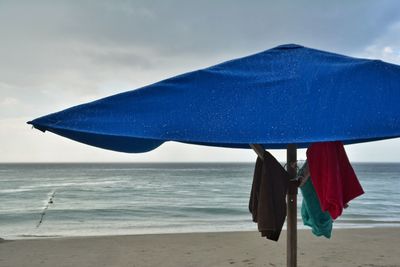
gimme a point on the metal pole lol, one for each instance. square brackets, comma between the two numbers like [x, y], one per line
[291, 256]
[258, 149]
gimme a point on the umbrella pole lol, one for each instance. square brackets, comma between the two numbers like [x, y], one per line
[291, 200]
[291, 256]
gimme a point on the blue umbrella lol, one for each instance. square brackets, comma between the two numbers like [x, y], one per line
[286, 95]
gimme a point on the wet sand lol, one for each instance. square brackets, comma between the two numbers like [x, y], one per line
[347, 247]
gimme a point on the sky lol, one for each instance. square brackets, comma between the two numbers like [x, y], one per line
[56, 54]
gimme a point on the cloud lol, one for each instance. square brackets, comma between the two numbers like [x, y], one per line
[55, 54]
[8, 102]
[46, 42]
[387, 46]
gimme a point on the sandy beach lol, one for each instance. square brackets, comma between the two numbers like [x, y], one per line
[348, 247]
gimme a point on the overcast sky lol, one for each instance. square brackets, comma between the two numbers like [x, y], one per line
[56, 54]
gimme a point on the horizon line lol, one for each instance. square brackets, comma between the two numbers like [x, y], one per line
[152, 162]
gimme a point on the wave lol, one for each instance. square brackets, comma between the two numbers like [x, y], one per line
[57, 185]
[38, 236]
[127, 199]
[71, 184]
[7, 191]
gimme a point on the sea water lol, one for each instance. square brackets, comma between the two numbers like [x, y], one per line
[125, 198]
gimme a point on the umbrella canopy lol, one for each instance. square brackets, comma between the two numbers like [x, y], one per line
[289, 94]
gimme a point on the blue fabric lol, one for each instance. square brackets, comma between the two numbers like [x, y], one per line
[288, 94]
[312, 214]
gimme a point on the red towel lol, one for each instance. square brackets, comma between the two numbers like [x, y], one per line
[332, 176]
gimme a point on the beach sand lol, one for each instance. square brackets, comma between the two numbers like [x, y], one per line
[348, 247]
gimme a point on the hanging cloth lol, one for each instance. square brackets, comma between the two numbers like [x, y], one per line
[333, 177]
[311, 212]
[268, 196]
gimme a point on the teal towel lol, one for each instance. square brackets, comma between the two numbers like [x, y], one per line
[312, 214]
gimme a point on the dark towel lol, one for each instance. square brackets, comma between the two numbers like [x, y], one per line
[268, 196]
[333, 177]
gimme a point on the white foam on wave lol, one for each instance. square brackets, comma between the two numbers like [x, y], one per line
[71, 184]
[6, 191]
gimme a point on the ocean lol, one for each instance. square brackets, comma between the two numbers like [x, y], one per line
[51, 200]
